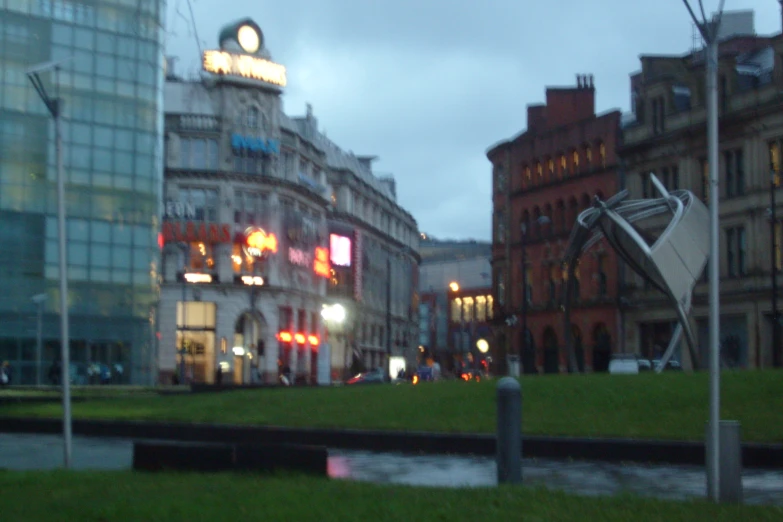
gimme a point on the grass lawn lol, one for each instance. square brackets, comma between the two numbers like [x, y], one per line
[667, 406]
[126, 496]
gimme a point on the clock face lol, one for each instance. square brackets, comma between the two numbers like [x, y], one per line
[248, 39]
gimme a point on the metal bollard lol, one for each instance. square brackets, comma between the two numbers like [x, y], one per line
[509, 434]
[730, 449]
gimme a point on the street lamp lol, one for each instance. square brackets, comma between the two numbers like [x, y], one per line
[454, 286]
[185, 248]
[39, 300]
[55, 105]
[709, 31]
[540, 220]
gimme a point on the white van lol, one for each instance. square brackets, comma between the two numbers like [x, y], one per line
[624, 364]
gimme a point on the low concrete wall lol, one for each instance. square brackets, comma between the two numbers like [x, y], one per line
[613, 450]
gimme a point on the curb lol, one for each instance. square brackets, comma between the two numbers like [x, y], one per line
[754, 455]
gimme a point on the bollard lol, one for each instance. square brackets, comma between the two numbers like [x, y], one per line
[509, 434]
[730, 449]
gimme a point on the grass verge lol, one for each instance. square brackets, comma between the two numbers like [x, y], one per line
[666, 406]
[127, 496]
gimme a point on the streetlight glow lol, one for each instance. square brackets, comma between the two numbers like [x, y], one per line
[454, 286]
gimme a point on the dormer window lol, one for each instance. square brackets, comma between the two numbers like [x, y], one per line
[252, 117]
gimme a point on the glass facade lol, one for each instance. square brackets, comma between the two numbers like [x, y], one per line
[111, 86]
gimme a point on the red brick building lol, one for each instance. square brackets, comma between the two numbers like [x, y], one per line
[542, 179]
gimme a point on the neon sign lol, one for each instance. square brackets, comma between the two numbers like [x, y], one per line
[245, 66]
[299, 257]
[259, 243]
[339, 250]
[192, 231]
[254, 144]
[198, 278]
[321, 264]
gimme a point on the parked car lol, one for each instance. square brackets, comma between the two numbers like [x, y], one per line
[371, 377]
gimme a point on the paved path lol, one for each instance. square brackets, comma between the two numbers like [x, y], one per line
[24, 452]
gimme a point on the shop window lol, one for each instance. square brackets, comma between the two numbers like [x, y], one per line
[201, 257]
[196, 340]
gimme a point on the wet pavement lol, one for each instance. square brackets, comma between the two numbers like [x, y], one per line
[26, 452]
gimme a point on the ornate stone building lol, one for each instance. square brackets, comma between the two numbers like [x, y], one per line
[256, 208]
[667, 136]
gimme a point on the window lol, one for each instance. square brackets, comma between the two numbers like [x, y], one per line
[550, 165]
[526, 172]
[500, 227]
[575, 156]
[736, 249]
[252, 118]
[490, 307]
[456, 310]
[733, 162]
[675, 173]
[200, 257]
[563, 166]
[501, 287]
[481, 308]
[539, 172]
[554, 280]
[204, 202]
[249, 208]
[774, 157]
[602, 280]
[500, 179]
[602, 154]
[467, 309]
[199, 153]
[588, 156]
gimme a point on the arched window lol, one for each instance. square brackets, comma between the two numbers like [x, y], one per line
[551, 169]
[526, 175]
[575, 160]
[563, 166]
[539, 172]
[588, 156]
[602, 153]
[252, 117]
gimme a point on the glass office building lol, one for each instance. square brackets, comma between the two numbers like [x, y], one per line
[111, 86]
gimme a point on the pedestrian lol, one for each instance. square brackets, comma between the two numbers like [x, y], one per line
[5, 377]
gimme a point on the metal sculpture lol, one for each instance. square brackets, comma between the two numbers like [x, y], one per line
[672, 261]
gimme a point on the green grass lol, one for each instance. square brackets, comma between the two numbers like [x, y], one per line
[127, 496]
[666, 406]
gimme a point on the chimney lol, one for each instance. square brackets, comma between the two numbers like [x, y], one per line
[579, 81]
[536, 116]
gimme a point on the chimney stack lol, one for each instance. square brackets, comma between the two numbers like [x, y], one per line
[579, 77]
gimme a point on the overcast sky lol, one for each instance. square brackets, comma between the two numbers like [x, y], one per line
[429, 85]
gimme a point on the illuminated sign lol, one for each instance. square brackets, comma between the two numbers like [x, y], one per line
[258, 242]
[249, 39]
[299, 257]
[321, 264]
[339, 250]
[300, 338]
[189, 231]
[198, 278]
[252, 280]
[245, 66]
[284, 337]
[254, 144]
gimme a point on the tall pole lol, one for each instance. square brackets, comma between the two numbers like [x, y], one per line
[38, 343]
[388, 316]
[184, 322]
[774, 241]
[523, 349]
[711, 28]
[64, 333]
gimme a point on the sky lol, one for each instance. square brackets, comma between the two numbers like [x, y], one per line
[429, 85]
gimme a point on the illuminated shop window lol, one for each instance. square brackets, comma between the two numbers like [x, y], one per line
[456, 309]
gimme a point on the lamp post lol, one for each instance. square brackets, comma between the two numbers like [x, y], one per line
[540, 220]
[709, 31]
[454, 287]
[773, 184]
[39, 300]
[55, 105]
[185, 248]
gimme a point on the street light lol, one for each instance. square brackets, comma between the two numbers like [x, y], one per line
[540, 220]
[709, 31]
[55, 105]
[454, 286]
[39, 300]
